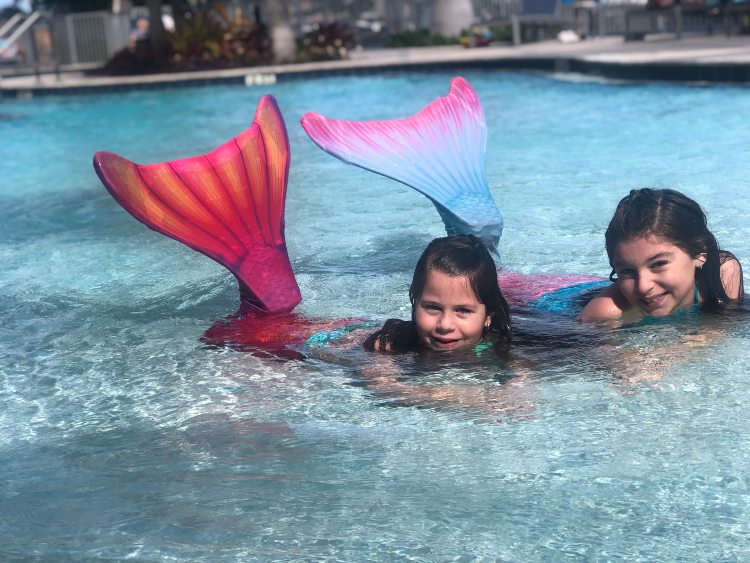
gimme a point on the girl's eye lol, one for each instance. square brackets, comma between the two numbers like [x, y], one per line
[625, 273]
[430, 307]
[464, 311]
[659, 265]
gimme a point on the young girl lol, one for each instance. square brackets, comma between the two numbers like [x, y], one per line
[664, 258]
[456, 302]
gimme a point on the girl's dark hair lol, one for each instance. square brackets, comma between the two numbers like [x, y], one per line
[680, 220]
[457, 255]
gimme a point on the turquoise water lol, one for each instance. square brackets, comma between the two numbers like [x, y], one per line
[122, 435]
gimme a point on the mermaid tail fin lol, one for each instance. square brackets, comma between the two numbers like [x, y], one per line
[227, 204]
[439, 152]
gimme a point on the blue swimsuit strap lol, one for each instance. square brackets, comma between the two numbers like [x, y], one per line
[324, 337]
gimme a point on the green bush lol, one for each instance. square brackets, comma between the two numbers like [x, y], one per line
[214, 40]
[328, 41]
[419, 38]
[207, 39]
[502, 34]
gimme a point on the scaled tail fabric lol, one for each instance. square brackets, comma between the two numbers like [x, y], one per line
[227, 204]
[438, 152]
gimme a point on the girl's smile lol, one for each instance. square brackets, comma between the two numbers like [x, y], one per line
[654, 275]
[448, 315]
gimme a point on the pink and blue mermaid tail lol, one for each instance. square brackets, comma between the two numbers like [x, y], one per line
[229, 205]
[562, 294]
[438, 152]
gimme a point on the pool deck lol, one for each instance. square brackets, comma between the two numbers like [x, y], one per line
[690, 59]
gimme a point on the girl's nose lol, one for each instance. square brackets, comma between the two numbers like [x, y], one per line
[644, 283]
[445, 323]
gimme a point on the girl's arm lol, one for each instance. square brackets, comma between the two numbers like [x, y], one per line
[384, 376]
[607, 305]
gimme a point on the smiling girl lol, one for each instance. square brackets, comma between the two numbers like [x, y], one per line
[456, 301]
[664, 258]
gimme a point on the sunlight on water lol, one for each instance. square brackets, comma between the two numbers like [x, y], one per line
[123, 435]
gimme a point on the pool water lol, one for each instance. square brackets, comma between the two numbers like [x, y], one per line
[123, 436]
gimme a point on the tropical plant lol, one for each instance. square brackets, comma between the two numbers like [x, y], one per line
[328, 41]
[418, 38]
[213, 38]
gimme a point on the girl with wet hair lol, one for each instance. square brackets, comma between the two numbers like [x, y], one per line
[456, 302]
[664, 258]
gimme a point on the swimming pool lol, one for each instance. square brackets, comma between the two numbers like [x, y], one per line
[123, 436]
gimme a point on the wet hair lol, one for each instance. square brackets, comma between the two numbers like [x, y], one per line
[681, 221]
[456, 255]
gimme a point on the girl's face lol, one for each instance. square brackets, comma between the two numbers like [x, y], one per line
[654, 275]
[448, 315]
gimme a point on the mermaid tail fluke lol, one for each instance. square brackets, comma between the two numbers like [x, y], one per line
[227, 204]
[438, 152]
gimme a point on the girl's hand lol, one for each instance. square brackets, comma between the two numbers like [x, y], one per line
[395, 337]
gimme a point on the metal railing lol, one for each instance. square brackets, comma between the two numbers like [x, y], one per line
[24, 47]
[493, 10]
[22, 25]
[396, 15]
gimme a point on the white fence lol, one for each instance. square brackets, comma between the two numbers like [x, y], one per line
[91, 37]
[71, 39]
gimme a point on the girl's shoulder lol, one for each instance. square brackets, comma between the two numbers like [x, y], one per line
[731, 275]
[606, 305]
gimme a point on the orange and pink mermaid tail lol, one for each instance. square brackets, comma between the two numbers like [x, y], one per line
[277, 333]
[439, 152]
[227, 204]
